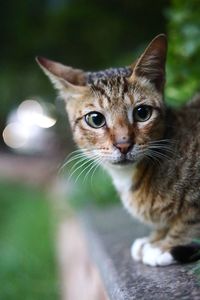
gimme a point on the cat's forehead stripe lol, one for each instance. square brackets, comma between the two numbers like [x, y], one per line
[101, 91]
[112, 85]
[111, 90]
[94, 77]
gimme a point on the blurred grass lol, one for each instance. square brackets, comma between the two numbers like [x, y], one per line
[27, 264]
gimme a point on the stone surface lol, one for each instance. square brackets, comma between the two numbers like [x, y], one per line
[110, 233]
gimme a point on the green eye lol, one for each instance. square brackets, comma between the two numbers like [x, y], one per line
[95, 119]
[142, 113]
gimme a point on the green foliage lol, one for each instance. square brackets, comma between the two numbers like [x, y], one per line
[27, 265]
[184, 48]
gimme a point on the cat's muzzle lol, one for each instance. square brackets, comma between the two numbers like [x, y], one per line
[124, 159]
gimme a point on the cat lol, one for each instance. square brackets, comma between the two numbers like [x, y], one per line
[150, 150]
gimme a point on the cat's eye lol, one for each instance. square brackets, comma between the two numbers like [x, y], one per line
[142, 113]
[95, 119]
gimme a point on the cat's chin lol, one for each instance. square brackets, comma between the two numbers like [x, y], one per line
[124, 162]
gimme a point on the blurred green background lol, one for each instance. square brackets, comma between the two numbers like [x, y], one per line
[92, 35]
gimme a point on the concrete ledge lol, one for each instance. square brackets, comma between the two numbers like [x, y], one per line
[110, 233]
[79, 277]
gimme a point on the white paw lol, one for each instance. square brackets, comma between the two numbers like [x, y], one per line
[153, 256]
[136, 248]
[165, 259]
[150, 255]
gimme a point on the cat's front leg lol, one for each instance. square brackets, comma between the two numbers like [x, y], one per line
[139, 244]
[177, 245]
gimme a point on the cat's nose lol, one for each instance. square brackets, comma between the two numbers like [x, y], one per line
[123, 147]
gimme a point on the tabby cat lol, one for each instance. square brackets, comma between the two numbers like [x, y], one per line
[151, 151]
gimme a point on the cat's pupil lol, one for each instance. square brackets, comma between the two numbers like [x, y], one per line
[142, 113]
[95, 119]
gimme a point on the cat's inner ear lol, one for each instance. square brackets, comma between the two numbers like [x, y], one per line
[69, 81]
[151, 64]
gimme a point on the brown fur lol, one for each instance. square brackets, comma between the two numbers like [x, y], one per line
[165, 178]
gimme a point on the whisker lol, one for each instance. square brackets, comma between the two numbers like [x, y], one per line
[79, 166]
[153, 158]
[88, 172]
[75, 157]
[148, 154]
[95, 162]
[170, 141]
[167, 151]
[160, 154]
[80, 159]
[162, 149]
[82, 150]
[75, 152]
[162, 146]
[87, 166]
[94, 170]
[157, 156]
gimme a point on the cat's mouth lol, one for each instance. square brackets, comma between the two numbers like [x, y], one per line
[123, 162]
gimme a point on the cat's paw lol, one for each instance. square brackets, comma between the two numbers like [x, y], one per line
[137, 247]
[154, 256]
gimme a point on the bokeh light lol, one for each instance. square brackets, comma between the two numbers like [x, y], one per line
[31, 112]
[15, 135]
[26, 128]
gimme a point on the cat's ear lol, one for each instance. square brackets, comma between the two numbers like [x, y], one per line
[151, 64]
[68, 81]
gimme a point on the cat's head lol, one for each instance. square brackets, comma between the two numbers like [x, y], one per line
[116, 115]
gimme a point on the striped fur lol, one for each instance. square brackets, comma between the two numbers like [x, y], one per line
[160, 181]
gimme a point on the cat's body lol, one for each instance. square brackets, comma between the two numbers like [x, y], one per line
[152, 152]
